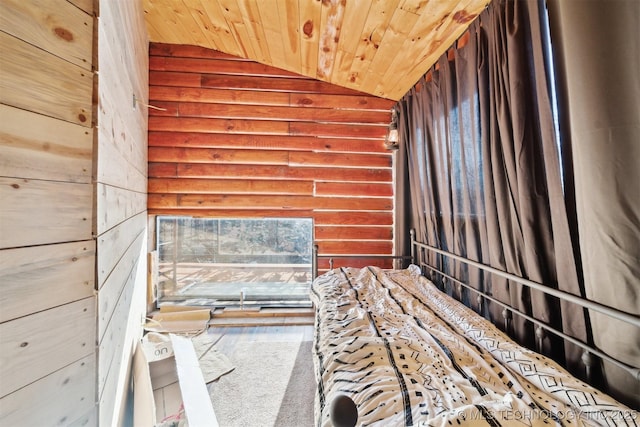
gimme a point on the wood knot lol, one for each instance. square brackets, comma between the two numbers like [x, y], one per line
[63, 33]
[16, 186]
[82, 117]
[307, 28]
[462, 16]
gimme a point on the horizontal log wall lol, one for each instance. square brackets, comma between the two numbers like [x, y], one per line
[235, 138]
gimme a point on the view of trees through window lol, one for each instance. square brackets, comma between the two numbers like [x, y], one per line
[222, 261]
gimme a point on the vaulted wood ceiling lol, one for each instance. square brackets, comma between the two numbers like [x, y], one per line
[380, 47]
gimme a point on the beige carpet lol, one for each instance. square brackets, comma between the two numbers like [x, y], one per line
[272, 385]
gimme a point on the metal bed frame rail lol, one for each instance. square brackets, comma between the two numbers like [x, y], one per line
[316, 256]
[541, 327]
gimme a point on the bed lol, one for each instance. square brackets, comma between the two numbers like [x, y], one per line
[407, 354]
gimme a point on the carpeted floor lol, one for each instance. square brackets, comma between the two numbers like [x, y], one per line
[272, 385]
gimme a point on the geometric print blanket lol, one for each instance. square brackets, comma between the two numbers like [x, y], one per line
[407, 354]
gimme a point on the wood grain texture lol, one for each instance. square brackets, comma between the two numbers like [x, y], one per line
[55, 26]
[64, 397]
[354, 247]
[229, 186]
[326, 232]
[112, 244]
[40, 147]
[379, 47]
[235, 213]
[354, 189]
[120, 189]
[255, 97]
[121, 277]
[115, 320]
[31, 351]
[222, 66]
[37, 81]
[266, 142]
[58, 274]
[40, 212]
[235, 201]
[324, 263]
[260, 112]
[86, 5]
[201, 170]
[261, 143]
[115, 205]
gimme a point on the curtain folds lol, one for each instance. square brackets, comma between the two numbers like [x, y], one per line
[484, 175]
[598, 59]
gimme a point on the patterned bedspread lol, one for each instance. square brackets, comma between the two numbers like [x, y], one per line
[409, 355]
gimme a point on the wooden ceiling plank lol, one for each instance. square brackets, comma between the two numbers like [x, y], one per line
[251, 16]
[270, 21]
[207, 27]
[437, 38]
[355, 44]
[176, 18]
[380, 15]
[310, 20]
[389, 50]
[289, 16]
[215, 15]
[155, 23]
[235, 21]
[355, 16]
[332, 13]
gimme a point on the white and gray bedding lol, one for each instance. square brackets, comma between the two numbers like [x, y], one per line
[409, 355]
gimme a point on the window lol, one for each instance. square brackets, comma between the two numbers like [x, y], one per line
[210, 261]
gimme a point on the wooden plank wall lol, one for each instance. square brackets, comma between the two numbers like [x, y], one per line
[235, 138]
[120, 193]
[47, 251]
[73, 166]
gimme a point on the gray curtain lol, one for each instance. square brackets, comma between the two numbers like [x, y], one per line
[484, 172]
[598, 52]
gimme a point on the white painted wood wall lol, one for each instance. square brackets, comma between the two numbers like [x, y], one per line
[73, 170]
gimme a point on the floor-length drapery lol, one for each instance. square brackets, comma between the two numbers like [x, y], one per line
[596, 44]
[484, 170]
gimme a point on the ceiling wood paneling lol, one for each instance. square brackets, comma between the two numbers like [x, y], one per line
[379, 47]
